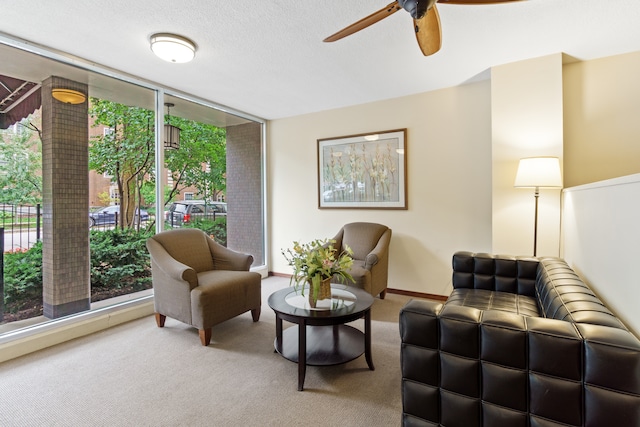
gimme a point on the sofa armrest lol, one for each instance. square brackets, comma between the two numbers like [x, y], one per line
[418, 323]
[611, 375]
[460, 365]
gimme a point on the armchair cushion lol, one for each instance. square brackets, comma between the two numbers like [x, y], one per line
[221, 295]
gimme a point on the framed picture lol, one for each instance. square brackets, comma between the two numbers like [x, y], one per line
[367, 171]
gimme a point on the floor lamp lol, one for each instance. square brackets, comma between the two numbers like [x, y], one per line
[538, 172]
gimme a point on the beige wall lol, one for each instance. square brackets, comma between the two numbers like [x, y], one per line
[463, 148]
[602, 119]
[526, 118]
[449, 181]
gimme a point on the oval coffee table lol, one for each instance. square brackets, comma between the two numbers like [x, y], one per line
[321, 336]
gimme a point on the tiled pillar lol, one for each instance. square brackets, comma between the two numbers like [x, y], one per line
[244, 190]
[65, 170]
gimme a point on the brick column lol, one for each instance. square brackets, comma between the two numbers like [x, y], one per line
[244, 190]
[65, 171]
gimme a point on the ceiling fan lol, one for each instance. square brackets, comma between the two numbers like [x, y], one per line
[426, 20]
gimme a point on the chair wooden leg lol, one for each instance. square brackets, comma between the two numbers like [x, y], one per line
[205, 336]
[383, 294]
[255, 314]
[160, 318]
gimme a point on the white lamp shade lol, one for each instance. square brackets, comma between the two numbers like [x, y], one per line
[539, 172]
[173, 48]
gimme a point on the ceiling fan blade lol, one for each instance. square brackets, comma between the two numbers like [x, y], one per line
[475, 1]
[428, 32]
[365, 22]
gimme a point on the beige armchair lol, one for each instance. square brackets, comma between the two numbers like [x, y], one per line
[370, 245]
[200, 282]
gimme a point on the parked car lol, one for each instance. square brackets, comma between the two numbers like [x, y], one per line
[185, 211]
[107, 216]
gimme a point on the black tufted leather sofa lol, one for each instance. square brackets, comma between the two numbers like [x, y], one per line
[521, 342]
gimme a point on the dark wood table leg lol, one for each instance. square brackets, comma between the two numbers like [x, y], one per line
[302, 353]
[278, 334]
[367, 339]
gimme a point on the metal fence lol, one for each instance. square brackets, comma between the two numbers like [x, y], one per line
[22, 225]
[20, 228]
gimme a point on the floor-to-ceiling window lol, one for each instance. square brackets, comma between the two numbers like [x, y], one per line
[217, 159]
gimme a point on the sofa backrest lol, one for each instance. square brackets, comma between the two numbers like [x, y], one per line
[563, 295]
[500, 273]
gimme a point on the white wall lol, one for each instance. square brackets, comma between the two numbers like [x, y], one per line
[601, 232]
[448, 182]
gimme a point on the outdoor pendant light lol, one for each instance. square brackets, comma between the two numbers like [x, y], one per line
[171, 133]
[68, 96]
[173, 48]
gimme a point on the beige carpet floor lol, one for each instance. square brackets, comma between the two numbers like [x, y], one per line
[137, 374]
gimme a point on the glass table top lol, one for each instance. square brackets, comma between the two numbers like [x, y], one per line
[340, 298]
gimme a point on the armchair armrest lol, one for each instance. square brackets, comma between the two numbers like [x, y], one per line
[228, 259]
[172, 268]
[379, 251]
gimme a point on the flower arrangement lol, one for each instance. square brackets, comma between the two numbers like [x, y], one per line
[317, 261]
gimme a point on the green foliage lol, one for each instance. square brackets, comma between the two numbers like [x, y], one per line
[22, 277]
[216, 229]
[148, 193]
[125, 152]
[21, 163]
[126, 149]
[119, 258]
[200, 144]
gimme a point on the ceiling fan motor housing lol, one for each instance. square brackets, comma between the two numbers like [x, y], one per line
[416, 8]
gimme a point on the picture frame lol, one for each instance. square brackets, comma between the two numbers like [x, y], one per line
[364, 171]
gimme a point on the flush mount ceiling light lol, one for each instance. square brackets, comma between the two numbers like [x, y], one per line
[173, 48]
[68, 96]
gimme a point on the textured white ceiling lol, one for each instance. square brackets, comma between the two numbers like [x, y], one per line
[266, 57]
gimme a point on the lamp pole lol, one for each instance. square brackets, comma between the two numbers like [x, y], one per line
[538, 172]
[535, 223]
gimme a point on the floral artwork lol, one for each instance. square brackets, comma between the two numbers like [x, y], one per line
[363, 171]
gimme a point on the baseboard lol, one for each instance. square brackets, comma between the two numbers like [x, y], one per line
[417, 294]
[41, 336]
[38, 337]
[389, 290]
